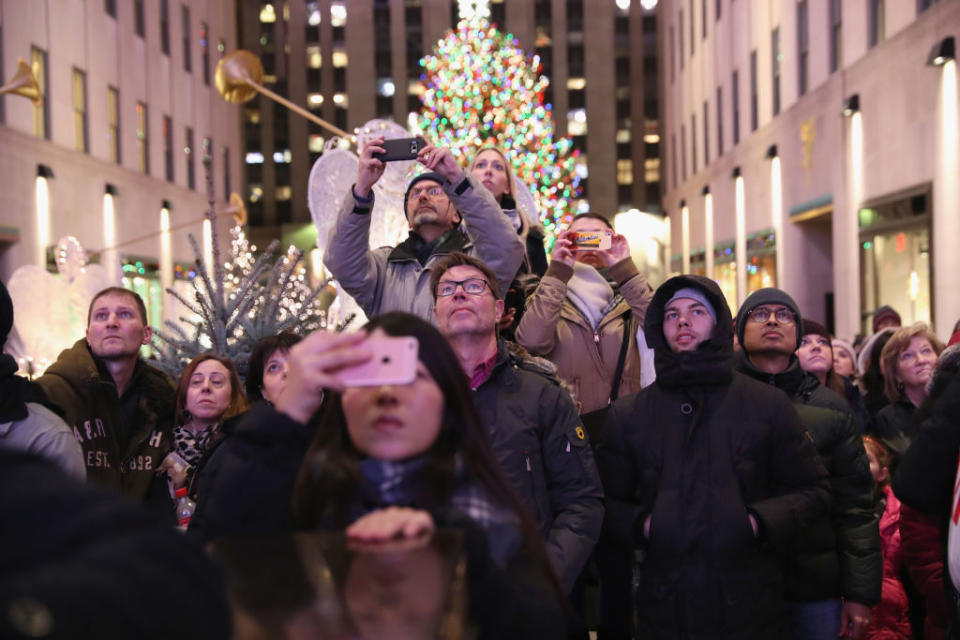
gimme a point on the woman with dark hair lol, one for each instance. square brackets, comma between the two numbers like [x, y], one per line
[420, 445]
[208, 393]
[267, 367]
[386, 462]
[817, 356]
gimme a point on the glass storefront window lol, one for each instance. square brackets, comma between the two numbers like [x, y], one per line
[895, 267]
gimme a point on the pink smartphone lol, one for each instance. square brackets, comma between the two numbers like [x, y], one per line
[592, 240]
[394, 361]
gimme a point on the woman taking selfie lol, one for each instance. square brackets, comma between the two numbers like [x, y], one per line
[388, 461]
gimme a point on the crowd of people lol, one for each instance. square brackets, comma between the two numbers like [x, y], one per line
[639, 463]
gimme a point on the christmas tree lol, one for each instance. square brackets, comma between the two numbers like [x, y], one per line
[481, 89]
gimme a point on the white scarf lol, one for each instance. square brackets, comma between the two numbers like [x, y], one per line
[589, 292]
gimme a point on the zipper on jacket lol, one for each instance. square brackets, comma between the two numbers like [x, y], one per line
[568, 446]
[596, 338]
[526, 457]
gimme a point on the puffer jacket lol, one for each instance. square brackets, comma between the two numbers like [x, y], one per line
[891, 620]
[838, 555]
[552, 327]
[698, 451]
[537, 437]
[88, 397]
[392, 278]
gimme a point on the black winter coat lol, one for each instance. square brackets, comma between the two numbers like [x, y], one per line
[894, 425]
[838, 555]
[246, 486]
[698, 452]
[538, 439]
[79, 562]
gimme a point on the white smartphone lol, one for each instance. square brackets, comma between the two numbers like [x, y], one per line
[394, 361]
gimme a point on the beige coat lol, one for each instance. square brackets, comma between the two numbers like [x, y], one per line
[552, 327]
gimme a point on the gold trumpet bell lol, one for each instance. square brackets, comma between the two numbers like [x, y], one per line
[23, 83]
[238, 76]
[236, 208]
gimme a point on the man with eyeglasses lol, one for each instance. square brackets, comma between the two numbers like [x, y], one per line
[833, 576]
[435, 204]
[533, 425]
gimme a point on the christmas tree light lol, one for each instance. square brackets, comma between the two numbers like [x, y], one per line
[481, 89]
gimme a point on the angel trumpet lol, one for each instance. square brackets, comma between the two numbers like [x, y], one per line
[239, 78]
[23, 83]
[236, 208]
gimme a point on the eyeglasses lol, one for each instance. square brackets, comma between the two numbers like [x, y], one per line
[762, 314]
[433, 192]
[473, 286]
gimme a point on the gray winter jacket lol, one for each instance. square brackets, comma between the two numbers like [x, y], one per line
[46, 434]
[392, 278]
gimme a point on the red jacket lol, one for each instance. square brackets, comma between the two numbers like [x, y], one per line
[923, 556]
[891, 615]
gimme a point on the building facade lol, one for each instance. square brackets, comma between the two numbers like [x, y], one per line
[813, 145]
[113, 153]
[353, 61]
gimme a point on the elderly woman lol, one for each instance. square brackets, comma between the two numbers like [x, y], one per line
[907, 361]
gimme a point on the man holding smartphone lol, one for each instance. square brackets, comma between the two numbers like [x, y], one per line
[436, 202]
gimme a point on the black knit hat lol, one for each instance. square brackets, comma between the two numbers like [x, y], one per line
[886, 312]
[770, 295]
[6, 314]
[429, 175]
[811, 327]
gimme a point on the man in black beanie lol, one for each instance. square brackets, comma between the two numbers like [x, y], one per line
[833, 576]
[435, 204]
[26, 422]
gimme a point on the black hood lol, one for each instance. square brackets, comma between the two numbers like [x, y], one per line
[712, 362]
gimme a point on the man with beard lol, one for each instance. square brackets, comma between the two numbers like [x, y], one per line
[435, 204]
[120, 408]
[833, 575]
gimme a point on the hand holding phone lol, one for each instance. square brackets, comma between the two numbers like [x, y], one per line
[592, 240]
[394, 361]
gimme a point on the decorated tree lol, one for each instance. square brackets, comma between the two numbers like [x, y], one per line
[481, 89]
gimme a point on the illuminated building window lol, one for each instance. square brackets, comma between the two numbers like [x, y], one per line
[314, 57]
[143, 156]
[41, 114]
[113, 124]
[625, 171]
[268, 14]
[80, 110]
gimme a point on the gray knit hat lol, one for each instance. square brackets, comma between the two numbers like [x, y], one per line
[769, 295]
[694, 294]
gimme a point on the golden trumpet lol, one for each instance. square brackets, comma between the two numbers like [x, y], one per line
[236, 208]
[23, 83]
[238, 79]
